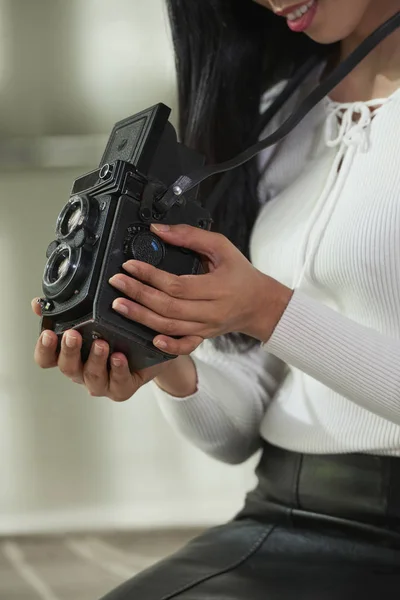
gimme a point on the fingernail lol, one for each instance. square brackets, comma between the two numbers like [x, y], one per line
[47, 340]
[98, 349]
[117, 362]
[161, 344]
[129, 266]
[160, 228]
[70, 341]
[117, 282]
[121, 308]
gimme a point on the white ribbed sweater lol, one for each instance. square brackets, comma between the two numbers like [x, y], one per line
[328, 380]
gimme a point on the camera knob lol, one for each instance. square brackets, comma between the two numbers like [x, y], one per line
[148, 248]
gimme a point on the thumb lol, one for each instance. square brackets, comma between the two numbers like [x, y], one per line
[209, 244]
[36, 307]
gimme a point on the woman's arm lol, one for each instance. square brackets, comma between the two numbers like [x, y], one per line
[359, 363]
[223, 415]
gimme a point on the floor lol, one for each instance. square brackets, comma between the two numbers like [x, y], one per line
[81, 567]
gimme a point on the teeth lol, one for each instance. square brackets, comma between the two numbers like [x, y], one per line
[297, 14]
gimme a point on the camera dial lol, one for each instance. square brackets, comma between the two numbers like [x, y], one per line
[148, 248]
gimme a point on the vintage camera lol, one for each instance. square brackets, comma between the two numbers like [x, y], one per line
[107, 222]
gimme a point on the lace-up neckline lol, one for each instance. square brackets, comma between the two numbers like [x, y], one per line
[348, 122]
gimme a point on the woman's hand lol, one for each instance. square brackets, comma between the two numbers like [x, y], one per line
[233, 296]
[118, 384]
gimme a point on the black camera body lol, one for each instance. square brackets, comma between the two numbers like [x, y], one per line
[107, 222]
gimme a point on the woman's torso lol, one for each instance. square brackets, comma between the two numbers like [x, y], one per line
[332, 229]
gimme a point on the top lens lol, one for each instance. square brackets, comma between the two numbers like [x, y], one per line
[72, 217]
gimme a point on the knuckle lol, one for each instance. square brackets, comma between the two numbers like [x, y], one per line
[67, 370]
[220, 243]
[120, 397]
[44, 365]
[170, 307]
[137, 295]
[176, 288]
[215, 321]
[219, 238]
[96, 394]
[169, 327]
[177, 349]
[93, 375]
[145, 271]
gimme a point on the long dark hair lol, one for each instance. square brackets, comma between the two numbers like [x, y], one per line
[228, 52]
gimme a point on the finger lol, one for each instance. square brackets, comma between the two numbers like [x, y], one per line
[145, 316]
[160, 302]
[210, 244]
[187, 287]
[36, 307]
[182, 347]
[69, 360]
[46, 350]
[95, 370]
[122, 385]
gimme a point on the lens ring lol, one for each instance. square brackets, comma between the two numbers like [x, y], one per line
[61, 271]
[72, 217]
[58, 266]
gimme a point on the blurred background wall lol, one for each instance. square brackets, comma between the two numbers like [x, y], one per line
[68, 70]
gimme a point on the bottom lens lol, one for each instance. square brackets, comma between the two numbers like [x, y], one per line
[63, 270]
[59, 265]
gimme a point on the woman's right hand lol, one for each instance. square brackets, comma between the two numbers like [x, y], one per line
[118, 383]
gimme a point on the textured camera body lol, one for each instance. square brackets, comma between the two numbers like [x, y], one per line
[107, 222]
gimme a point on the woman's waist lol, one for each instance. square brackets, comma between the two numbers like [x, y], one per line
[353, 488]
[307, 417]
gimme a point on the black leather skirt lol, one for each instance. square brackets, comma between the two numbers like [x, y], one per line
[315, 528]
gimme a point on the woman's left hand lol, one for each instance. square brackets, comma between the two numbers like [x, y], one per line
[233, 296]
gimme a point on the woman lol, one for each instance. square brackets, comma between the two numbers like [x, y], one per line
[307, 361]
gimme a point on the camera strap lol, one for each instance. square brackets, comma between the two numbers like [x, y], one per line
[187, 182]
[290, 88]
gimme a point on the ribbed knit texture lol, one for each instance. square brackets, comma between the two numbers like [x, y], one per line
[223, 418]
[328, 380]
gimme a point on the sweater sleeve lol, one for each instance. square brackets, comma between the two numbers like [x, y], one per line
[355, 361]
[223, 417]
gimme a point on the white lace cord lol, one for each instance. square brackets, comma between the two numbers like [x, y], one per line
[306, 254]
[340, 130]
[328, 210]
[341, 126]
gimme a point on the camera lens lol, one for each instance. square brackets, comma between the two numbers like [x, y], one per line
[73, 220]
[58, 265]
[73, 217]
[62, 268]
[63, 272]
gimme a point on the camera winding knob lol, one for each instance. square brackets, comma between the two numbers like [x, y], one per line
[146, 247]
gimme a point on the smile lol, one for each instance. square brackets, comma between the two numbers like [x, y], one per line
[300, 16]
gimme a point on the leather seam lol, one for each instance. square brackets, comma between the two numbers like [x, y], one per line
[297, 482]
[257, 544]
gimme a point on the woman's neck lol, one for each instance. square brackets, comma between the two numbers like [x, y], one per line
[378, 75]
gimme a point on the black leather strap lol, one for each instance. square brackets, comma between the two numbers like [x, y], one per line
[187, 182]
[288, 91]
